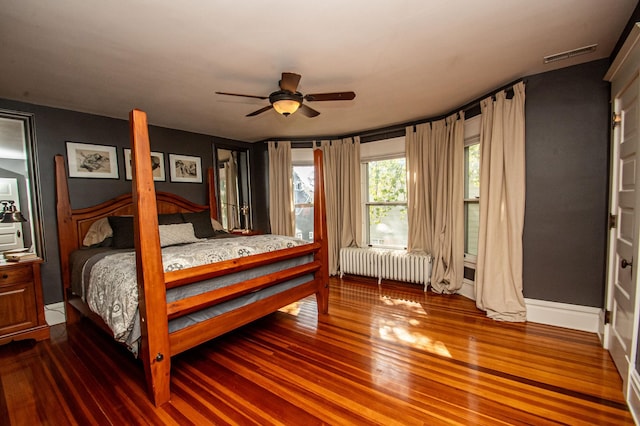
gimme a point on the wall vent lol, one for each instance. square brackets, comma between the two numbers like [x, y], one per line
[570, 53]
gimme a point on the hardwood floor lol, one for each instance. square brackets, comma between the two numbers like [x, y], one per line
[391, 356]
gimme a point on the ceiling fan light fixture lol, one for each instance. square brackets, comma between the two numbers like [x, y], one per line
[285, 103]
[286, 106]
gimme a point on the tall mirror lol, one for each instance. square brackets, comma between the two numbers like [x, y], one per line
[233, 188]
[20, 224]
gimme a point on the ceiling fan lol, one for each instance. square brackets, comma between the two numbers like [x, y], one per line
[288, 100]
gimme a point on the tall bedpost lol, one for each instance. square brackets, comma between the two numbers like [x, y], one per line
[152, 301]
[320, 233]
[65, 230]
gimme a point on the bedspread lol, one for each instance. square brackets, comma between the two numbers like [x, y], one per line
[112, 290]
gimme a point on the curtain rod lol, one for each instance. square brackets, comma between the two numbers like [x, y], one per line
[476, 102]
[398, 130]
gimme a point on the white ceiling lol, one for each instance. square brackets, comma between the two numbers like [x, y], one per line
[405, 59]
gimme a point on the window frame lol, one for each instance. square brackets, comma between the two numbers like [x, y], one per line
[302, 157]
[365, 203]
[468, 142]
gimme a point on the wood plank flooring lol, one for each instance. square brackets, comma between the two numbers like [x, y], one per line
[391, 356]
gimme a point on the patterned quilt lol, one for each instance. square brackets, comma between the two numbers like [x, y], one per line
[112, 290]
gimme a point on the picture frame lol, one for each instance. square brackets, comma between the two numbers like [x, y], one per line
[92, 161]
[157, 165]
[185, 168]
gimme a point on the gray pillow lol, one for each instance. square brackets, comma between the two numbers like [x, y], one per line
[170, 218]
[201, 223]
[122, 227]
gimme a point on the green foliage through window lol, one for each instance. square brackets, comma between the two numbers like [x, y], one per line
[386, 202]
[388, 180]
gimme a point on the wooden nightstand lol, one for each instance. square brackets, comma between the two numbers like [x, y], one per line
[21, 303]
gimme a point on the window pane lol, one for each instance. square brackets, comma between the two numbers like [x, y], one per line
[472, 171]
[388, 226]
[304, 223]
[303, 180]
[387, 180]
[303, 184]
[472, 222]
[223, 196]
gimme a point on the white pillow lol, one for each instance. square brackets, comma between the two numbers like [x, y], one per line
[178, 233]
[98, 232]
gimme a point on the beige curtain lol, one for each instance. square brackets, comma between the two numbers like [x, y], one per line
[420, 183]
[342, 193]
[435, 167]
[502, 198]
[281, 213]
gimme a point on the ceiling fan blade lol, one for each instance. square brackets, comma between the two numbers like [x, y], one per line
[290, 81]
[336, 96]
[260, 111]
[244, 96]
[308, 111]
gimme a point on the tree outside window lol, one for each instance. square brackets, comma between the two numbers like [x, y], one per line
[386, 202]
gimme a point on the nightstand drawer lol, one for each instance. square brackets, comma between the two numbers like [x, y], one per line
[16, 308]
[21, 305]
[17, 274]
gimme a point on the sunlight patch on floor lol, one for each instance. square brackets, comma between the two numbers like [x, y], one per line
[393, 331]
[407, 304]
[399, 330]
[292, 309]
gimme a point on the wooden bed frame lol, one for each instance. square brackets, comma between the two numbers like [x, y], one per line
[158, 345]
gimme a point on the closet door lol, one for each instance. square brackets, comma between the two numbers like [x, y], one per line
[620, 335]
[625, 244]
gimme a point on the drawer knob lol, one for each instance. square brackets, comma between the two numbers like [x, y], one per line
[5, 276]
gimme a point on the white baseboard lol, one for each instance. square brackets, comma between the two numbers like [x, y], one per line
[633, 396]
[576, 317]
[55, 313]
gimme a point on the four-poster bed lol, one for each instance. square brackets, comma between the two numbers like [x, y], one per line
[274, 278]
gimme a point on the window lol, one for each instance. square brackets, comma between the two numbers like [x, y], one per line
[303, 184]
[385, 194]
[471, 197]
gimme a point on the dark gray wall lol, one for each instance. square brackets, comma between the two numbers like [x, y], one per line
[259, 164]
[567, 158]
[56, 126]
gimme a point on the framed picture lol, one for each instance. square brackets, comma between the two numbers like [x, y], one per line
[184, 168]
[92, 161]
[157, 165]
